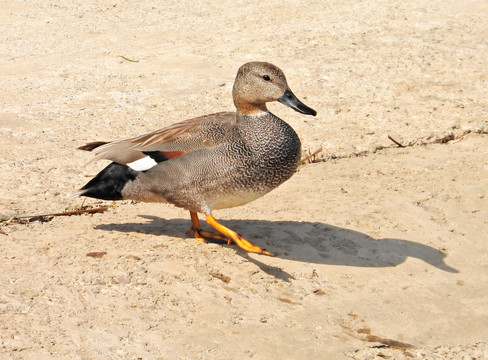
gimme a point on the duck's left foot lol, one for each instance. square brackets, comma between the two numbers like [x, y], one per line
[239, 240]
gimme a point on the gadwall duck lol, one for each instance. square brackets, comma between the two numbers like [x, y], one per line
[211, 162]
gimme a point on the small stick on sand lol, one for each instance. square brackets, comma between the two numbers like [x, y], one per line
[125, 58]
[66, 213]
[396, 142]
[310, 158]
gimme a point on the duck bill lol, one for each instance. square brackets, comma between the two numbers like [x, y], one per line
[289, 99]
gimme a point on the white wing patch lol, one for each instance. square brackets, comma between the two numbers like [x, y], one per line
[142, 164]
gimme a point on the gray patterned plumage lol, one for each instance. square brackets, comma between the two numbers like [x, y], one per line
[211, 162]
[259, 154]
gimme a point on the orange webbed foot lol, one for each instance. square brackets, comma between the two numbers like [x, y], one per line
[223, 233]
[200, 234]
[239, 240]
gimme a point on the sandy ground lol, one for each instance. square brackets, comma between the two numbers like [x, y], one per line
[381, 250]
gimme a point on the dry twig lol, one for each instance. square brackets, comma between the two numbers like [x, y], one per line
[125, 58]
[45, 217]
[396, 142]
[310, 157]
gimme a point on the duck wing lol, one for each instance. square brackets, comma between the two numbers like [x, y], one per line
[144, 151]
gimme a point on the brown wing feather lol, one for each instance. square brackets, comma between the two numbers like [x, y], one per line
[91, 145]
[175, 139]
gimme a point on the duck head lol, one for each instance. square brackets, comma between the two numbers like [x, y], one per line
[260, 82]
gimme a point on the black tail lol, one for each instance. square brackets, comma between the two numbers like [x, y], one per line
[109, 182]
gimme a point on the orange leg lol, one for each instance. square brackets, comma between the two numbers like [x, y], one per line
[200, 234]
[239, 240]
[195, 227]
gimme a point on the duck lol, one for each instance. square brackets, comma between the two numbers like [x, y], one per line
[211, 162]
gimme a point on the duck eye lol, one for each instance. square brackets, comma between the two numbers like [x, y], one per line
[266, 78]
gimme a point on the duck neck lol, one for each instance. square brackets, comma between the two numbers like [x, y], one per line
[246, 108]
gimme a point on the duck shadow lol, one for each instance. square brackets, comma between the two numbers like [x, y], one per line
[311, 242]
